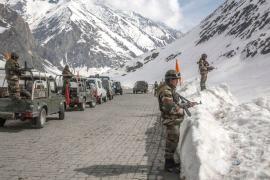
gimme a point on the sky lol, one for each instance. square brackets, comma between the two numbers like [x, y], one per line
[178, 14]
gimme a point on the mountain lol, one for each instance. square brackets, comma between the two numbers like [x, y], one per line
[236, 37]
[86, 34]
[15, 35]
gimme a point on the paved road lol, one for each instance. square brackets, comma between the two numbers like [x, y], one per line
[121, 139]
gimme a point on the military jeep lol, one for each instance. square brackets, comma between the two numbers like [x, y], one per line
[39, 98]
[80, 94]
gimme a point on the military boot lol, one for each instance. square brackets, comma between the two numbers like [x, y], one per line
[170, 166]
[203, 88]
[177, 166]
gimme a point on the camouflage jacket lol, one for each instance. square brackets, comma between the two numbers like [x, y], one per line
[12, 69]
[203, 66]
[168, 106]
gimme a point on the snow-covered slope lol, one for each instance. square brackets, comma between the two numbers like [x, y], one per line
[88, 34]
[224, 139]
[236, 38]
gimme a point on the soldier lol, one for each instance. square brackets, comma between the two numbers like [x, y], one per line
[67, 75]
[172, 116]
[13, 73]
[204, 68]
[155, 88]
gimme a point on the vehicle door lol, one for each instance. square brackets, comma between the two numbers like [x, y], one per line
[81, 89]
[40, 93]
[54, 97]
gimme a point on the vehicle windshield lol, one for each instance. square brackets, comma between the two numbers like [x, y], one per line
[91, 81]
[105, 84]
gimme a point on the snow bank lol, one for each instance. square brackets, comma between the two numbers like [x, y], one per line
[222, 139]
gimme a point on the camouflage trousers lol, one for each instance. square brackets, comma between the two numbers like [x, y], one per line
[13, 88]
[172, 139]
[203, 81]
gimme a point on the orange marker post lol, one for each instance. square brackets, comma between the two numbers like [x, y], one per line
[178, 70]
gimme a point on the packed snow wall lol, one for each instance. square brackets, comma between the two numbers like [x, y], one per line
[203, 140]
[224, 139]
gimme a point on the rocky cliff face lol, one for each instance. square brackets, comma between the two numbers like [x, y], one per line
[85, 34]
[243, 19]
[16, 36]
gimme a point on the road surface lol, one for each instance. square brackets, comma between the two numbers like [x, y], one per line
[121, 139]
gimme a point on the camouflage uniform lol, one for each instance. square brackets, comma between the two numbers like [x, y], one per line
[172, 116]
[12, 69]
[204, 68]
[155, 88]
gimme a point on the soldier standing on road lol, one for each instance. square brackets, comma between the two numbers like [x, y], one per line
[155, 88]
[172, 116]
[13, 73]
[204, 68]
[67, 75]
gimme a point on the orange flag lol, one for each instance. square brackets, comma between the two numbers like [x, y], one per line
[7, 55]
[177, 68]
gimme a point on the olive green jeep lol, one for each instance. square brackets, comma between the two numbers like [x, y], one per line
[39, 98]
[79, 94]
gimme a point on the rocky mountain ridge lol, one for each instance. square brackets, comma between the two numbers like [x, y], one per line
[87, 34]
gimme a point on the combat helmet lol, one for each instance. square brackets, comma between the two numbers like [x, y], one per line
[14, 56]
[172, 74]
[204, 56]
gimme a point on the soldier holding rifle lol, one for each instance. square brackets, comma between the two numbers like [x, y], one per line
[172, 112]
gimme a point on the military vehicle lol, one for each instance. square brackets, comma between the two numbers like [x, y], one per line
[39, 98]
[107, 84]
[79, 94]
[140, 86]
[117, 88]
[100, 92]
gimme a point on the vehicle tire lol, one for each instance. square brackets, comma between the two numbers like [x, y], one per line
[92, 104]
[82, 106]
[2, 122]
[105, 99]
[41, 119]
[121, 93]
[61, 113]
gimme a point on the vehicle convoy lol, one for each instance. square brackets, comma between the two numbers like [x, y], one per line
[100, 92]
[140, 86]
[117, 88]
[79, 94]
[39, 97]
[107, 84]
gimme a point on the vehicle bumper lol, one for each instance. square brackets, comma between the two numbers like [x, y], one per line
[7, 115]
[22, 115]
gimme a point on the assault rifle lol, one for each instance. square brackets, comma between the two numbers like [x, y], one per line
[185, 103]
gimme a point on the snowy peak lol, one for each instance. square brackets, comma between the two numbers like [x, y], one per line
[90, 34]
